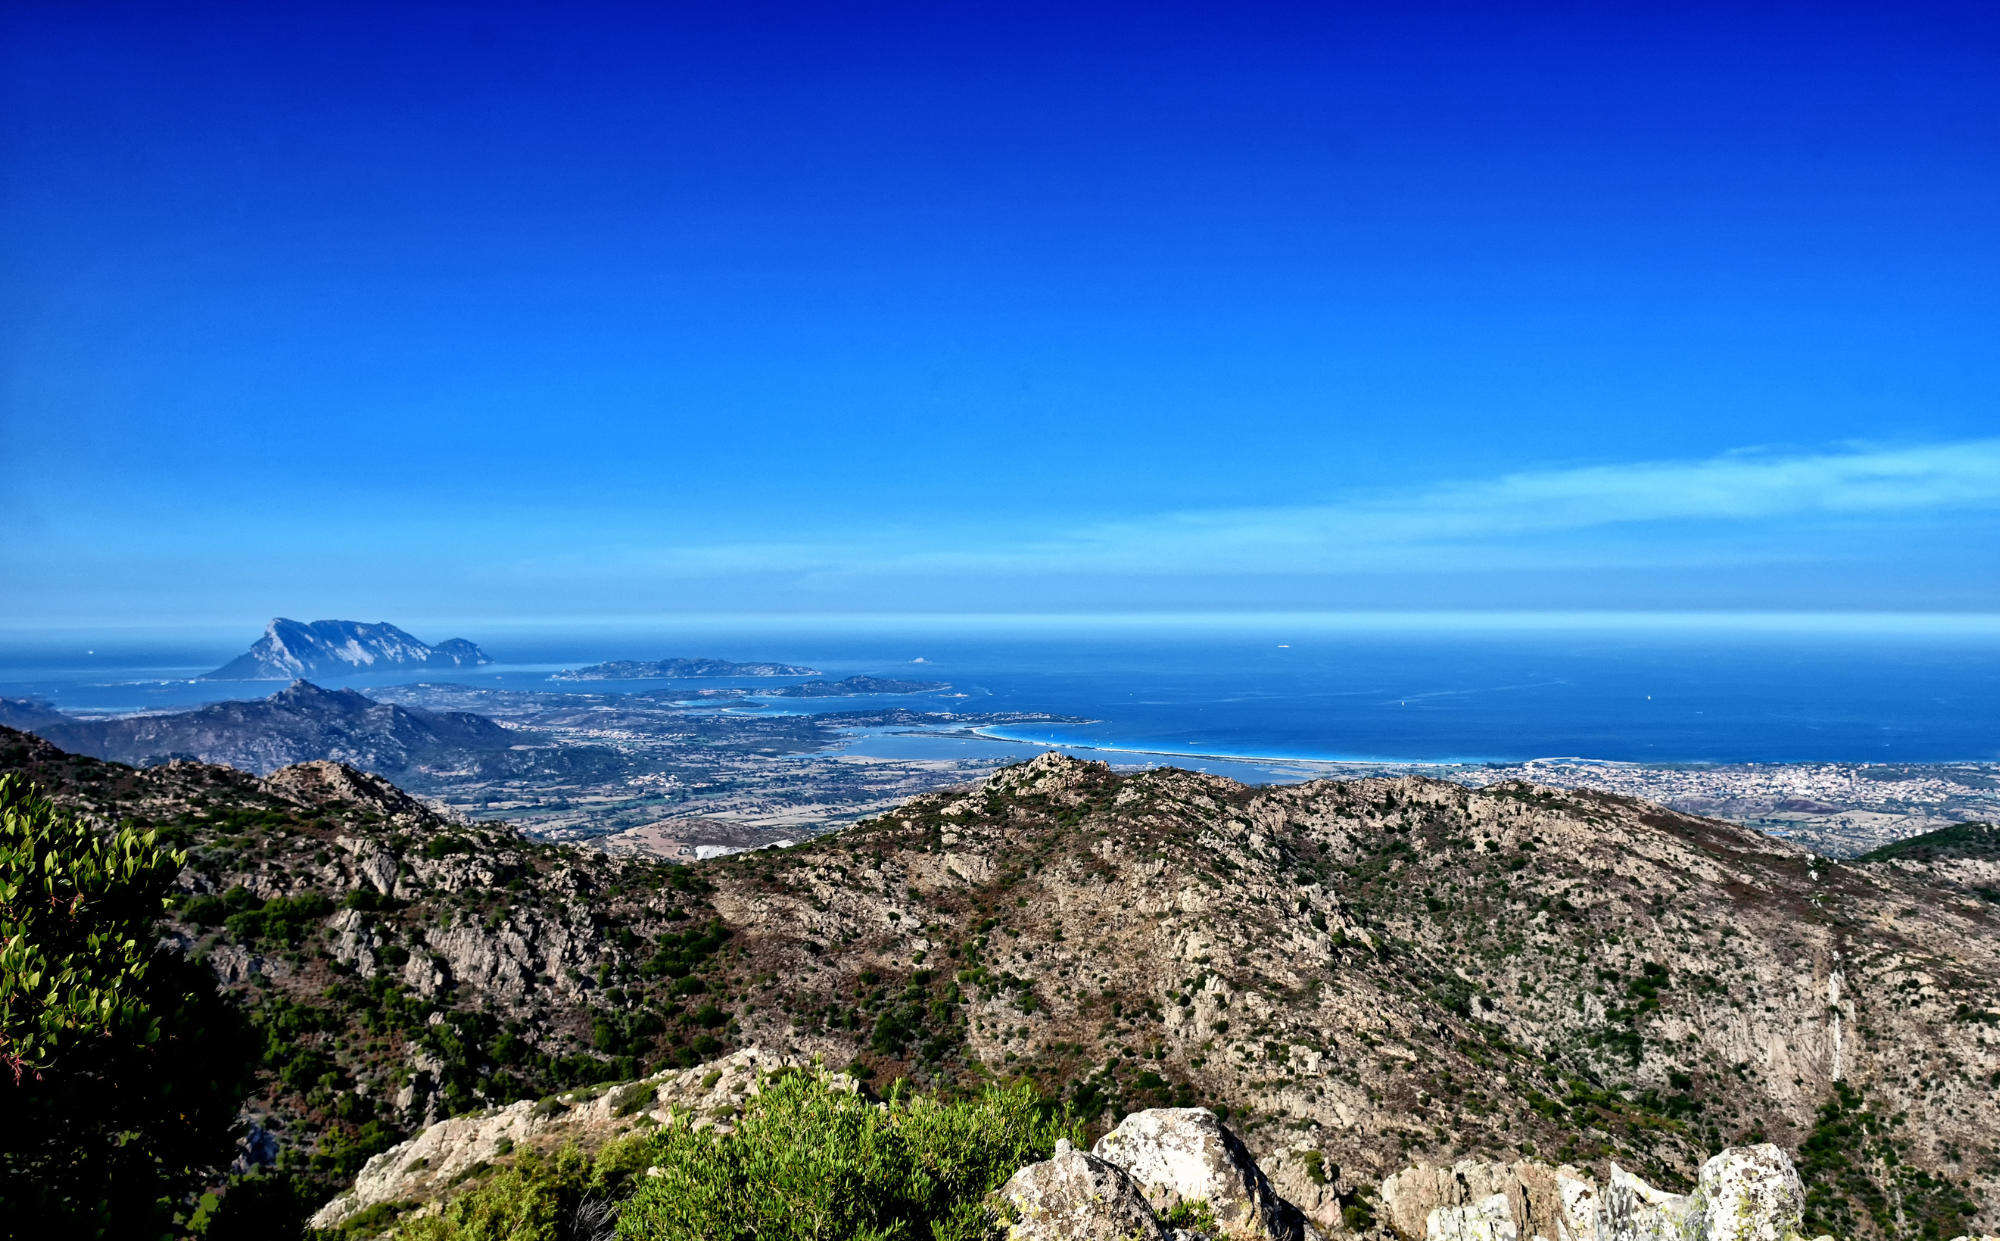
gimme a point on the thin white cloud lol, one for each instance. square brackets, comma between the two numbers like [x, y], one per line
[1744, 507]
[1736, 492]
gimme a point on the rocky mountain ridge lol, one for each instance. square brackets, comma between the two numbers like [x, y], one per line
[1373, 971]
[292, 648]
[1356, 975]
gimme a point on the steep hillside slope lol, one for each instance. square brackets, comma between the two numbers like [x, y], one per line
[1381, 970]
[1363, 974]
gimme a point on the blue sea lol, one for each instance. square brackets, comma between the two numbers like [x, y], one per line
[1264, 689]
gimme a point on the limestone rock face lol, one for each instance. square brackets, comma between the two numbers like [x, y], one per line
[1750, 1193]
[1184, 1155]
[1075, 1196]
[1468, 1198]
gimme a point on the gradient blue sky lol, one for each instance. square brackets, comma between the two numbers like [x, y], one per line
[595, 310]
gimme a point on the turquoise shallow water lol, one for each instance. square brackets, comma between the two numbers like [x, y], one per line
[1418, 689]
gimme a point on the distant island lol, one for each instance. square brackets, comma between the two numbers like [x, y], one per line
[853, 685]
[291, 649]
[677, 669]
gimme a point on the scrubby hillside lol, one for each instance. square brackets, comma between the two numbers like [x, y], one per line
[1380, 970]
[1359, 974]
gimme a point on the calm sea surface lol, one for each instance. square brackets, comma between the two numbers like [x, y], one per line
[1381, 688]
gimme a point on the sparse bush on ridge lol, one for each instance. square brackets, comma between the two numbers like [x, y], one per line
[805, 1162]
[535, 1200]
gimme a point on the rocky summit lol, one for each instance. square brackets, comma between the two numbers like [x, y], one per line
[1360, 980]
[1362, 974]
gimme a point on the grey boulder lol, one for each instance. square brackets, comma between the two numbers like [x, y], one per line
[1183, 1155]
[1074, 1197]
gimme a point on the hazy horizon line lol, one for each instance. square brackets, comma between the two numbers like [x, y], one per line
[1909, 620]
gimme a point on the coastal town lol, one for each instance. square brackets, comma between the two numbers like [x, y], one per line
[1838, 809]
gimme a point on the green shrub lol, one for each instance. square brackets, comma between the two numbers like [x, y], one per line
[678, 955]
[629, 1099]
[285, 919]
[120, 1066]
[444, 846]
[1193, 1216]
[807, 1161]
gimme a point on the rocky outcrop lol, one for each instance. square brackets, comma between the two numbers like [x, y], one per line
[1393, 969]
[1183, 1156]
[428, 1166]
[1074, 1197]
[324, 783]
[1302, 1177]
[1750, 1193]
[1632, 1210]
[1746, 1193]
[1491, 1200]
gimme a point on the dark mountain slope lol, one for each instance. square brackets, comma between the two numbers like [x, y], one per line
[29, 713]
[304, 723]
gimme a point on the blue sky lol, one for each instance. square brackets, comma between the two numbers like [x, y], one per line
[606, 310]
